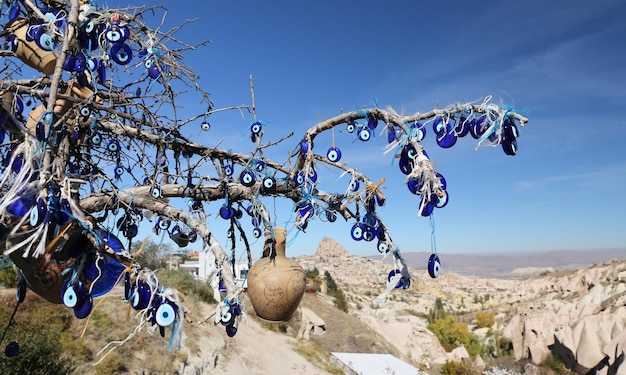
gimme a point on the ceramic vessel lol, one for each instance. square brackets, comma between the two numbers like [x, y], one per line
[29, 52]
[276, 284]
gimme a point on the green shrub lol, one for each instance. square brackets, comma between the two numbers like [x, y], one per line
[484, 319]
[453, 334]
[185, 283]
[42, 332]
[459, 368]
[340, 301]
[330, 283]
[8, 277]
[437, 312]
[312, 274]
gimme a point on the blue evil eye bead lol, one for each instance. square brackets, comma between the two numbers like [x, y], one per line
[83, 310]
[156, 192]
[68, 65]
[372, 122]
[227, 318]
[102, 72]
[116, 34]
[131, 231]
[510, 131]
[14, 12]
[414, 184]
[356, 232]
[80, 63]
[269, 184]
[434, 266]
[226, 212]
[38, 213]
[442, 180]
[247, 178]
[121, 54]
[354, 185]
[331, 216]
[370, 220]
[441, 201]
[18, 161]
[141, 296]
[298, 178]
[165, 314]
[334, 154]
[119, 171]
[256, 127]
[149, 63]
[20, 293]
[43, 40]
[229, 170]
[478, 127]
[231, 330]
[441, 127]
[128, 288]
[382, 247]
[446, 140]
[21, 206]
[11, 42]
[113, 146]
[85, 111]
[256, 232]
[259, 166]
[391, 134]
[96, 139]
[154, 72]
[462, 127]
[365, 134]
[12, 349]
[193, 236]
[510, 147]
[351, 127]
[194, 204]
[426, 208]
[205, 126]
[305, 209]
[74, 294]
[163, 223]
[369, 234]
[312, 175]
[304, 146]
[391, 275]
[408, 152]
[418, 131]
[406, 165]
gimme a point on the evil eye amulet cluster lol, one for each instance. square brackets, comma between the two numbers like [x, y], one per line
[437, 198]
[403, 283]
[229, 317]
[76, 296]
[161, 311]
[367, 229]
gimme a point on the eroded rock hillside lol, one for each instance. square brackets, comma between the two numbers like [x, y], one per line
[576, 316]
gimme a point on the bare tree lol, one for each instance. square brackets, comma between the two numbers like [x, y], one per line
[97, 135]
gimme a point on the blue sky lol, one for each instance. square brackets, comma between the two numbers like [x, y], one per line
[560, 63]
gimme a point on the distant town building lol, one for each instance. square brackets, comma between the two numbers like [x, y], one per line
[202, 265]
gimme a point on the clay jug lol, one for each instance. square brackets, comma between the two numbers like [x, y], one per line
[29, 52]
[276, 283]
